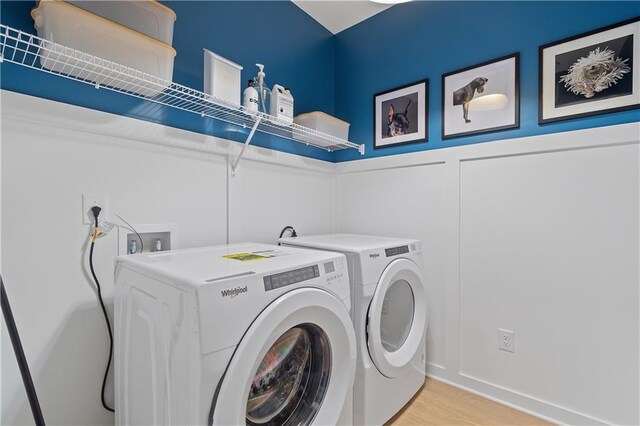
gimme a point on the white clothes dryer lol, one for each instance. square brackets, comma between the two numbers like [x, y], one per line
[389, 313]
[239, 334]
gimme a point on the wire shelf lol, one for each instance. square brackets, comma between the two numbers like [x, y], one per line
[33, 52]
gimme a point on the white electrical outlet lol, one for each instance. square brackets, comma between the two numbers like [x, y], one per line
[506, 340]
[90, 200]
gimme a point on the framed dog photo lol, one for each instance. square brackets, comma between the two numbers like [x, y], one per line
[400, 115]
[481, 98]
[592, 73]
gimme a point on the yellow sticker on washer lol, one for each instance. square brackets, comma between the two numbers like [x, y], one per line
[245, 257]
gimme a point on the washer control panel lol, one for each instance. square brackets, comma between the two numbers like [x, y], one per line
[331, 272]
[283, 279]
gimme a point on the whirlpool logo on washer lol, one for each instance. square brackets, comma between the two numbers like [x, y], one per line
[374, 255]
[233, 292]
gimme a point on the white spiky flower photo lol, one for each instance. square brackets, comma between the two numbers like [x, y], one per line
[597, 71]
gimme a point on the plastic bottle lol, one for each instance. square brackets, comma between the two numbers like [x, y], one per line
[287, 91]
[133, 246]
[281, 104]
[250, 97]
[263, 91]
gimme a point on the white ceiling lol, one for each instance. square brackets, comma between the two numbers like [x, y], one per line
[338, 15]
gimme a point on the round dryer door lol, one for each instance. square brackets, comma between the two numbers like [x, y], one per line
[294, 366]
[397, 319]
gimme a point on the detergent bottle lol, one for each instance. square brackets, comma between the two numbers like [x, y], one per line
[281, 104]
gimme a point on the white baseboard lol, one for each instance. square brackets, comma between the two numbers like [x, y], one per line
[514, 399]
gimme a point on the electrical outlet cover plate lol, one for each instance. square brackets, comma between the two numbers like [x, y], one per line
[90, 200]
[506, 340]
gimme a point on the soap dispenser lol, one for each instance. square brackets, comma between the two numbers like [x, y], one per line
[263, 91]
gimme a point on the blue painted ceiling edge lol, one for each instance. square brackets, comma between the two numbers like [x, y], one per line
[339, 74]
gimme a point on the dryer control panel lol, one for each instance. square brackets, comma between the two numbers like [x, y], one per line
[334, 272]
[394, 251]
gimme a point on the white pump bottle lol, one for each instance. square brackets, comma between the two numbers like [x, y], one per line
[263, 90]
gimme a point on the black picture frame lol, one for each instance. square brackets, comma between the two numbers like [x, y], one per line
[416, 110]
[507, 91]
[556, 99]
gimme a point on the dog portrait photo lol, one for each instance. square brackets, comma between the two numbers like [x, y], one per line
[464, 95]
[400, 115]
[481, 98]
[590, 73]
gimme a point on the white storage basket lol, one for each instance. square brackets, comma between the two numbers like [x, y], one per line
[147, 17]
[325, 123]
[116, 47]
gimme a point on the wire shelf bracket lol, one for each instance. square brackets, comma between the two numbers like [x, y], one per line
[234, 166]
[36, 53]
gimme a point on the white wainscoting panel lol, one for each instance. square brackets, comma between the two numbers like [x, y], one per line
[549, 249]
[537, 235]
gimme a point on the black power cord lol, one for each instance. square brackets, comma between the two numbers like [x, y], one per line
[96, 212]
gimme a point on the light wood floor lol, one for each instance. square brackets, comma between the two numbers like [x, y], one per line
[441, 404]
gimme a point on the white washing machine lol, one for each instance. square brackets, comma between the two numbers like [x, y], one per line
[389, 312]
[239, 334]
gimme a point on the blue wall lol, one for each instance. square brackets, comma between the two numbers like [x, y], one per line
[426, 39]
[406, 43]
[296, 50]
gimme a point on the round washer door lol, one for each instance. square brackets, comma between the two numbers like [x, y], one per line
[295, 365]
[397, 318]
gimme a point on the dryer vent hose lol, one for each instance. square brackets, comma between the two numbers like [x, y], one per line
[290, 229]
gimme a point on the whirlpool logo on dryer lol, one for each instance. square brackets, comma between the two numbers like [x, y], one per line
[233, 292]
